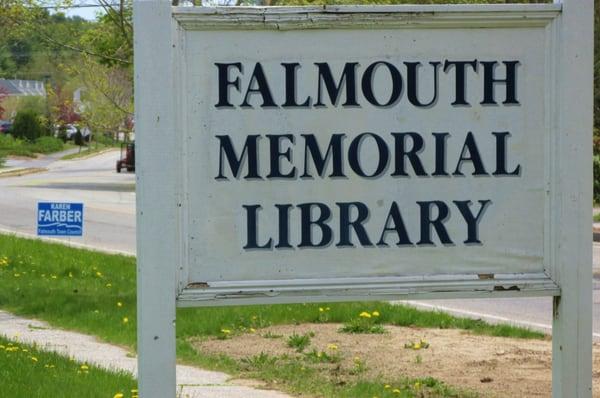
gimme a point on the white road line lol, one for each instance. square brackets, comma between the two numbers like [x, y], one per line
[483, 316]
[65, 242]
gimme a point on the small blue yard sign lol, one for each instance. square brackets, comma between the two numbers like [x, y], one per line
[60, 219]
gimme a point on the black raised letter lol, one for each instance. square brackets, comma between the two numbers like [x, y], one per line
[354, 152]
[348, 79]
[367, 83]
[284, 226]
[290, 87]
[224, 83]
[412, 155]
[252, 230]
[275, 155]
[501, 156]
[472, 221]
[438, 223]
[262, 88]
[235, 163]
[412, 81]
[357, 224]
[440, 154]
[306, 223]
[474, 157]
[460, 68]
[334, 149]
[397, 226]
[510, 81]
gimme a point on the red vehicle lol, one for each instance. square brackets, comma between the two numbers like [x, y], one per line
[127, 160]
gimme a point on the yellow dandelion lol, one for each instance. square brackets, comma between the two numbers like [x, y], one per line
[387, 386]
[84, 367]
[252, 330]
[375, 313]
[364, 314]
[17, 275]
[125, 320]
[321, 309]
[118, 395]
[417, 385]
[34, 359]
[225, 331]
[417, 346]
[98, 274]
[119, 304]
[396, 391]
[109, 285]
[332, 347]
[54, 277]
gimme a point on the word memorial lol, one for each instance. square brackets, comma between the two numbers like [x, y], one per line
[396, 155]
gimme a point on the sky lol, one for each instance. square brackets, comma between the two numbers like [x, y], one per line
[84, 12]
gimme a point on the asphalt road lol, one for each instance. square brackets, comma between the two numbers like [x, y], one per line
[108, 197]
[109, 217]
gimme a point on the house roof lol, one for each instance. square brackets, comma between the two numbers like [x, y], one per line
[23, 87]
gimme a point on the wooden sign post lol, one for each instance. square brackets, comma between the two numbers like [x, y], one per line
[309, 154]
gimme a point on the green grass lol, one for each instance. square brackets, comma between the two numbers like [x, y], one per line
[89, 150]
[597, 217]
[95, 293]
[17, 147]
[299, 341]
[26, 371]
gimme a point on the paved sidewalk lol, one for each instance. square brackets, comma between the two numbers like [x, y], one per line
[192, 382]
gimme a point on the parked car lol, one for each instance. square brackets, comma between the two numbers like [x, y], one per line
[5, 126]
[70, 131]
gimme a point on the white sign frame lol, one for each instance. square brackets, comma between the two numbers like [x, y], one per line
[161, 198]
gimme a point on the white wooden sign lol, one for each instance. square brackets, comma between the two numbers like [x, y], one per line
[365, 153]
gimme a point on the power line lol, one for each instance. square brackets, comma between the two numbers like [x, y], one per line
[77, 6]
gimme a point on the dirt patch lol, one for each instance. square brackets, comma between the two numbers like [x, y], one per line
[491, 366]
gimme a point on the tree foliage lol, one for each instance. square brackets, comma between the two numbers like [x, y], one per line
[28, 125]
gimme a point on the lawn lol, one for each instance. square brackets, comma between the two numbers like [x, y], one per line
[91, 149]
[95, 293]
[17, 147]
[26, 371]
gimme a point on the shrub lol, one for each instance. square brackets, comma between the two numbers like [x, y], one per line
[48, 145]
[27, 125]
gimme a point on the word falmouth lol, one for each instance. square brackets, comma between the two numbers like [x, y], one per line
[403, 150]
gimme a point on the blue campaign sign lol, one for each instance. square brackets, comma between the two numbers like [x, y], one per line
[60, 219]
